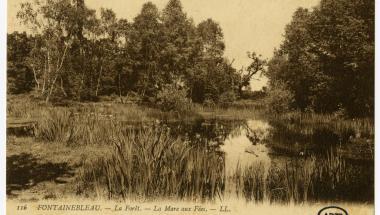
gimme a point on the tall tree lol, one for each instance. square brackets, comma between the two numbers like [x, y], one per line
[145, 51]
[180, 41]
[211, 35]
[20, 77]
[55, 21]
[255, 67]
[327, 57]
[342, 34]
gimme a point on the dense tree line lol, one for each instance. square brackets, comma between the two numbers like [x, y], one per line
[20, 75]
[72, 53]
[326, 62]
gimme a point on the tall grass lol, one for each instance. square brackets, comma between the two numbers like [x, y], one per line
[22, 107]
[150, 163]
[333, 169]
[359, 127]
[250, 182]
[298, 179]
[228, 113]
[354, 137]
[295, 181]
[291, 183]
[65, 126]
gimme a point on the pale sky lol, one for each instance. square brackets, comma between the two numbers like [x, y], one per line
[248, 25]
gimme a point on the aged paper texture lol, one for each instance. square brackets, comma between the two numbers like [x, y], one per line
[190, 107]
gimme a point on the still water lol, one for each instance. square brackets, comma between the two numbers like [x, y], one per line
[266, 160]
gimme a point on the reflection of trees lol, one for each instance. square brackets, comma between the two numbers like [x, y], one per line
[204, 174]
[255, 135]
[237, 131]
[205, 137]
[296, 138]
[207, 132]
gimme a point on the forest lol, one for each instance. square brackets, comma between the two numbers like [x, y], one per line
[100, 107]
[325, 63]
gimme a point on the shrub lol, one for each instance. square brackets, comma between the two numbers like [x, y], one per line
[209, 103]
[227, 98]
[173, 98]
[55, 126]
[279, 99]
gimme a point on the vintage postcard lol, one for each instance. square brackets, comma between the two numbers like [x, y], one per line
[190, 107]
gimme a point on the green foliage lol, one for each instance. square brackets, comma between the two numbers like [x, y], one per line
[213, 78]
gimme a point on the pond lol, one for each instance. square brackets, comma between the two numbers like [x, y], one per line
[257, 160]
[294, 164]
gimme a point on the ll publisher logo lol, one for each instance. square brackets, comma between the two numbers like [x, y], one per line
[332, 210]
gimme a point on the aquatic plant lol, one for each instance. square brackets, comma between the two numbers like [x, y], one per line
[150, 163]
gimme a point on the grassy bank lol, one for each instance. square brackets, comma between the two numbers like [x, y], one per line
[67, 123]
[337, 122]
[152, 165]
[122, 151]
[28, 107]
[297, 131]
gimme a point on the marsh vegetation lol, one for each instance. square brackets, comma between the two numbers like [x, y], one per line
[106, 108]
[279, 159]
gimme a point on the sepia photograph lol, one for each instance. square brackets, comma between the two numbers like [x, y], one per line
[190, 107]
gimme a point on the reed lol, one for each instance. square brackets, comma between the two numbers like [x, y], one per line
[143, 159]
[333, 170]
[298, 179]
[293, 182]
[228, 113]
[250, 182]
[150, 163]
[54, 126]
[358, 126]
[65, 127]
[22, 107]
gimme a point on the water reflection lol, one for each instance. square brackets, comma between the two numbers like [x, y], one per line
[244, 146]
[275, 150]
[258, 160]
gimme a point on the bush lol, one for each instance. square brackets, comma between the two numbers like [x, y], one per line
[173, 98]
[227, 98]
[209, 103]
[279, 99]
[19, 79]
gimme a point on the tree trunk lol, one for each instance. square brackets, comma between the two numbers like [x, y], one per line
[121, 98]
[98, 84]
[52, 86]
[35, 79]
[63, 89]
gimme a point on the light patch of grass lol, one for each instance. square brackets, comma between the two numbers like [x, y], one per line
[361, 126]
[228, 113]
[23, 107]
